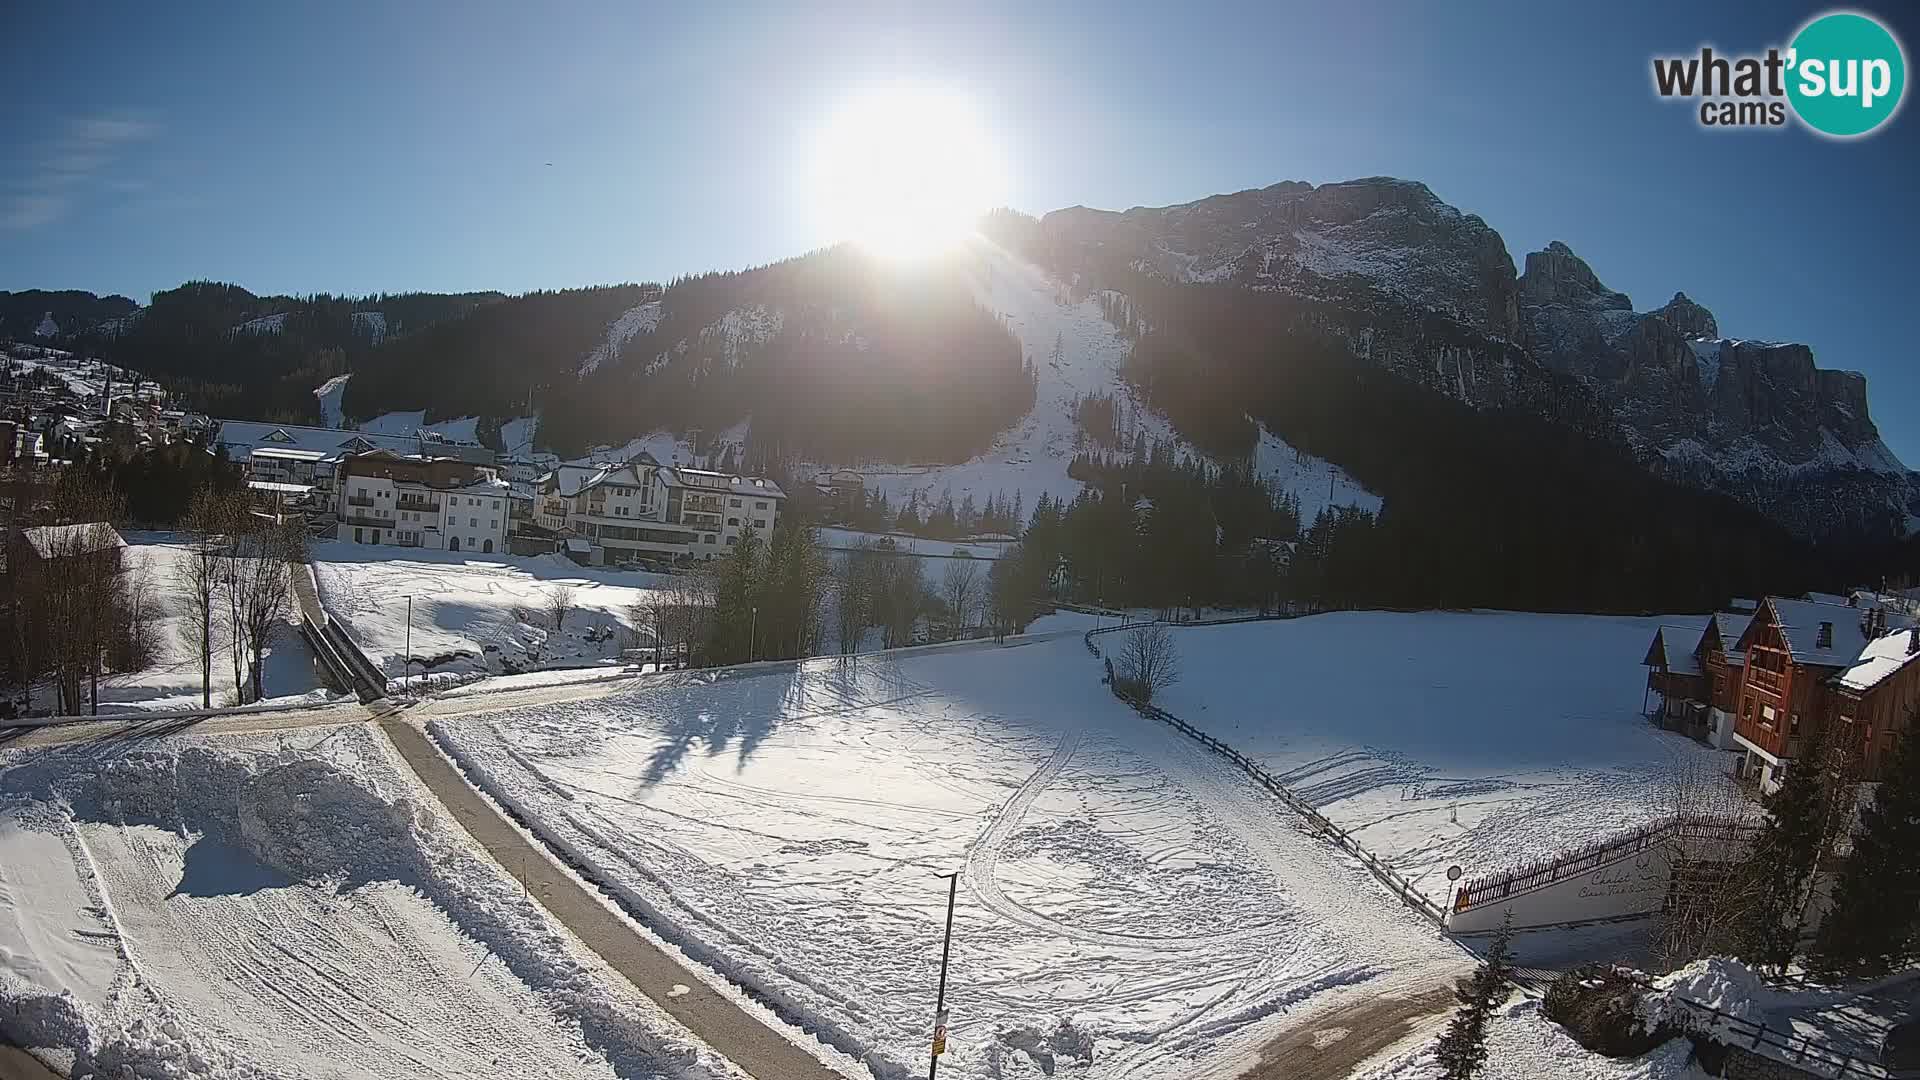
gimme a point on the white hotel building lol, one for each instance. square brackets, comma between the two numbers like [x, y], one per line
[648, 512]
[414, 501]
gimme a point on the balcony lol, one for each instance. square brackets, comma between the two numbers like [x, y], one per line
[357, 519]
[359, 500]
[417, 504]
[1773, 682]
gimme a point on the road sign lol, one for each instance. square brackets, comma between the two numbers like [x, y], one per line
[1454, 872]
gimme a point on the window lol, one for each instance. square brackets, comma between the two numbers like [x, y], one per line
[760, 523]
[496, 504]
[735, 503]
[493, 523]
[707, 539]
[1793, 724]
[473, 523]
[1746, 709]
[733, 521]
[732, 540]
[760, 505]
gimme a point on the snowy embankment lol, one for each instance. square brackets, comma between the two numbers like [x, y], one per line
[1524, 1045]
[475, 614]
[173, 679]
[289, 907]
[1484, 739]
[1127, 907]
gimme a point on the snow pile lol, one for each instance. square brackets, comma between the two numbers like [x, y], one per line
[304, 911]
[1718, 982]
[1484, 738]
[782, 823]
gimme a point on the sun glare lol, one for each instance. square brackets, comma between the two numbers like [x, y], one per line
[906, 172]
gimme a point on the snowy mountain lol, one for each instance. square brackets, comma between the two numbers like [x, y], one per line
[1430, 293]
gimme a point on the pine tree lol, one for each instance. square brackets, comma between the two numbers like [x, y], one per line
[1800, 817]
[1876, 907]
[1463, 1049]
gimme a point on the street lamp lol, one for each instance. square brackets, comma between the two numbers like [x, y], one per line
[940, 1004]
[753, 636]
[406, 668]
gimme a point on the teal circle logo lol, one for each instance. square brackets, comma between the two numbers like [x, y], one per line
[1846, 74]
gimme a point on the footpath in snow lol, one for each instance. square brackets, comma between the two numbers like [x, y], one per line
[1128, 906]
[288, 906]
[1484, 739]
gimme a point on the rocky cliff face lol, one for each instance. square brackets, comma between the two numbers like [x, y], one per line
[1430, 292]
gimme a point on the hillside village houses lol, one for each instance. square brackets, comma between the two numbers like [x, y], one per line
[1759, 681]
[410, 500]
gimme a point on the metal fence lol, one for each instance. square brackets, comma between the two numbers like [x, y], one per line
[1553, 869]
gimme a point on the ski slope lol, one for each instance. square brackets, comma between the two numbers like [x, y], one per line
[1482, 738]
[1032, 457]
[250, 907]
[1128, 908]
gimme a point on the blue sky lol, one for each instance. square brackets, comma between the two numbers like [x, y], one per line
[363, 148]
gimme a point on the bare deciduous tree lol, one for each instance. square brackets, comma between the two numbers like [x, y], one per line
[1148, 662]
[856, 580]
[558, 601]
[1713, 893]
[901, 597]
[960, 589]
[262, 600]
[197, 582]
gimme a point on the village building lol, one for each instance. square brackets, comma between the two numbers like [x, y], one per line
[1762, 684]
[411, 500]
[641, 511]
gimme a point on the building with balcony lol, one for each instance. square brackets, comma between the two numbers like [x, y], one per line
[411, 500]
[645, 512]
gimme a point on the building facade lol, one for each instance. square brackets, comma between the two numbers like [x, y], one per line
[1842, 669]
[419, 501]
[645, 512]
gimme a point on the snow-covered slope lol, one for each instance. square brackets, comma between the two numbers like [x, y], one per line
[461, 429]
[1032, 457]
[330, 393]
[371, 323]
[639, 319]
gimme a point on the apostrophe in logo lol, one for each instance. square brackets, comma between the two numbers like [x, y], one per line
[1847, 74]
[1843, 76]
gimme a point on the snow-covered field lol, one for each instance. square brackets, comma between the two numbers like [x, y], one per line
[173, 679]
[294, 906]
[464, 607]
[1128, 907]
[1482, 738]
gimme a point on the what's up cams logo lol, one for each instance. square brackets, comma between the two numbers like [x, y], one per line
[1843, 76]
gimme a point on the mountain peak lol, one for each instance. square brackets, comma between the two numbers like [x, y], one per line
[1558, 276]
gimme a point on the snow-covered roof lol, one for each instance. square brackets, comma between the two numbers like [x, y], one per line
[285, 454]
[1731, 626]
[243, 437]
[57, 541]
[280, 489]
[1882, 657]
[1801, 621]
[1675, 645]
[706, 480]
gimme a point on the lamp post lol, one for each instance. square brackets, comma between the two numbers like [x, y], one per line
[753, 635]
[406, 669]
[940, 1003]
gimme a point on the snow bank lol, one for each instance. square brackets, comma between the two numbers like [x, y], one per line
[337, 835]
[1524, 1045]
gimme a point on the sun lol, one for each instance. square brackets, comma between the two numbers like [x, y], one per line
[905, 172]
